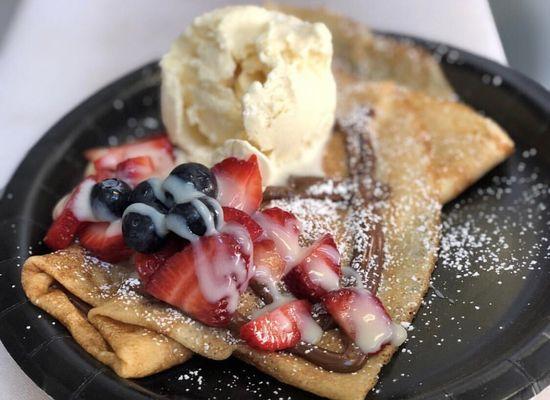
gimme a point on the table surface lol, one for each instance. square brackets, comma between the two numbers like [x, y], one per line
[58, 53]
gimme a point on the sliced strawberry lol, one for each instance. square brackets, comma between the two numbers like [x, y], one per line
[147, 264]
[279, 329]
[318, 273]
[65, 226]
[135, 170]
[267, 259]
[158, 148]
[105, 241]
[283, 218]
[239, 183]
[102, 175]
[283, 229]
[234, 215]
[204, 280]
[362, 316]
[62, 231]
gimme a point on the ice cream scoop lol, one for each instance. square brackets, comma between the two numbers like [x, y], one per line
[248, 80]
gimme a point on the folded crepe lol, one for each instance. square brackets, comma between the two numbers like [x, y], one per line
[67, 283]
[410, 133]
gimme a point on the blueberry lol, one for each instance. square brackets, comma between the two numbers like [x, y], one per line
[188, 214]
[146, 192]
[109, 198]
[141, 230]
[199, 176]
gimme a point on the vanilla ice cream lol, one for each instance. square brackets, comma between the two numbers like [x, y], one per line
[245, 80]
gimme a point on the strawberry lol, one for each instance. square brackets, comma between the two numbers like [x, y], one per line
[147, 263]
[135, 170]
[278, 329]
[105, 241]
[283, 218]
[157, 147]
[318, 273]
[358, 312]
[283, 229]
[223, 271]
[64, 228]
[233, 215]
[268, 259]
[239, 183]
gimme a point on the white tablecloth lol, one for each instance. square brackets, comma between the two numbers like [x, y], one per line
[59, 52]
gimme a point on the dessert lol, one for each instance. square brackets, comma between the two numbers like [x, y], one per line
[248, 79]
[244, 248]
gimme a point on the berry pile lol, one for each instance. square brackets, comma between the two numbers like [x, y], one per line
[197, 239]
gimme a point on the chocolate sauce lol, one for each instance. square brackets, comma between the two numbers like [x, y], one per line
[350, 360]
[298, 186]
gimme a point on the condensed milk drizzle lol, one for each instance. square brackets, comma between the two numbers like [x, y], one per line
[180, 192]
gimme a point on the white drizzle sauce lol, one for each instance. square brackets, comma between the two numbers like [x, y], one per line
[178, 225]
[310, 331]
[206, 216]
[81, 201]
[240, 234]
[114, 229]
[219, 209]
[156, 185]
[278, 301]
[399, 334]
[60, 206]
[158, 218]
[221, 276]
[285, 238]
[317, 269]
[322, 275]
[373, 327]
[181, 191]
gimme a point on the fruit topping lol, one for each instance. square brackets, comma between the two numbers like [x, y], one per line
[149, 192]
[198, 217]
[147, 264]
[190, 180]
[282, 328]
[233, 215]
[204, 280]
[158, 148]
[109, 198]
[283, 229]
[63, 230]
[270, 265]
[318, 273]
[362, 316]
[135, 170]
[144, 227]
[283, 218]
[75, 211]
[239, 183]
[104, 240]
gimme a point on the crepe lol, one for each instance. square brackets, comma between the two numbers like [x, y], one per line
[373, 57]
[67, 282]
[412, 206]
[464, 144]
[428, 149]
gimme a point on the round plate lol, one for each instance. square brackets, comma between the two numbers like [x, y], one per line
[484, 328]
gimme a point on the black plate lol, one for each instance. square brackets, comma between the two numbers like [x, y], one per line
[484, 328]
